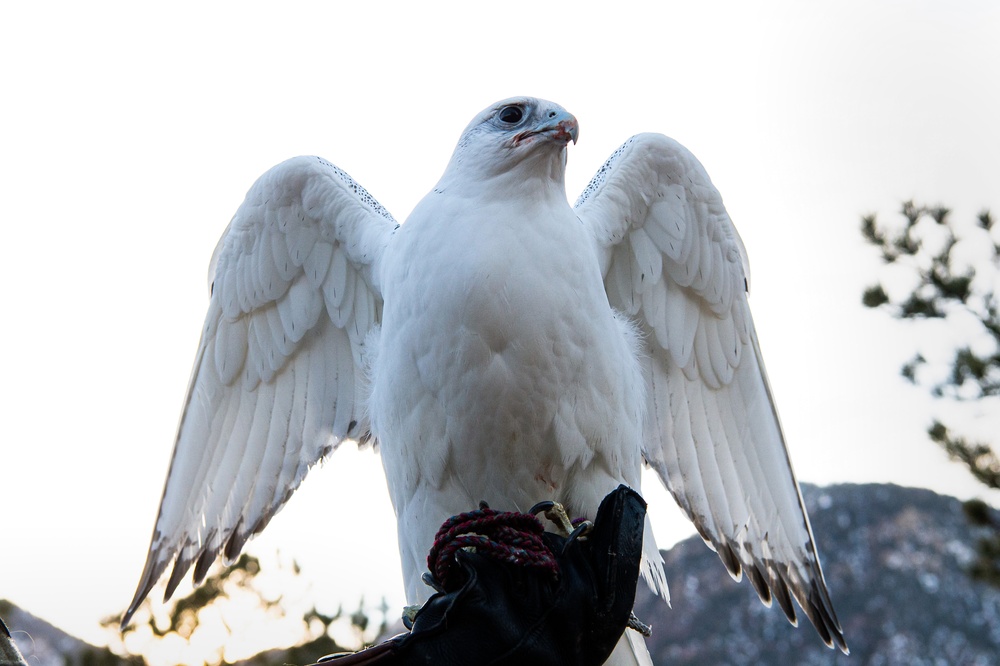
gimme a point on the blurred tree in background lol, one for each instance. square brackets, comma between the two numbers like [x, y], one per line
[937, 269]
[206, 624]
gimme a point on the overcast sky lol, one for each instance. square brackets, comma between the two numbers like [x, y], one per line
[132, 132]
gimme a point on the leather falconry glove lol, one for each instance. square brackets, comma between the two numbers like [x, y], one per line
[510, 593]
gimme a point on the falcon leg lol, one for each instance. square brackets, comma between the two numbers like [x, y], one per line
[555, 512]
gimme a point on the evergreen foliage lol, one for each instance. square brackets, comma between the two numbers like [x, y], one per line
[961, 292]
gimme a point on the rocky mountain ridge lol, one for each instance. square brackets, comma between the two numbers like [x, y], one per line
[895, 561]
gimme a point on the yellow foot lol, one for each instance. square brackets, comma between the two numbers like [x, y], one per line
[557, 514]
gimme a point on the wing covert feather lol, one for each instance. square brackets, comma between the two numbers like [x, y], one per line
[712, 431]
[275, 384]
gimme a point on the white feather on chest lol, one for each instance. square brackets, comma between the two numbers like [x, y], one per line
[517, 371]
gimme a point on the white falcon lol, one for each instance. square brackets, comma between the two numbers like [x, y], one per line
[500, 345]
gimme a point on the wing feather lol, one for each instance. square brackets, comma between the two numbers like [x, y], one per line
[621, 269]
[703, 361]
[318, 263]
[341, 313]
[336, 279]
[300, 236]
[363, 309]
[282, 267]
[712, 431]
[275, 382]
[681, 320]
[654, 309]
[649, 261]
[712, 480]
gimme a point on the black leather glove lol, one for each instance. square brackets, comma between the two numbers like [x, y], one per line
[496, 612]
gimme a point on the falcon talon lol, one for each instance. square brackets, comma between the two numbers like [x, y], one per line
[557, 514]
[541, 506]
[333, 657]
[409, 614]
[432, 582]
[579, 532]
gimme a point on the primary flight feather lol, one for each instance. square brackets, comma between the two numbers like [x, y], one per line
[500, 345]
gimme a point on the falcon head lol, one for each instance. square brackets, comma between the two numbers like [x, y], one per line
[521, 137]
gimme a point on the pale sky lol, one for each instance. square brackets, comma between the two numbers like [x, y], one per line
[132, 132]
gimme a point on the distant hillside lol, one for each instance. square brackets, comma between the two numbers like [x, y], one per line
[894, 561]
[42, 644]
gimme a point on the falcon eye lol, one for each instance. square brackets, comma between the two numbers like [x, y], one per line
[511, 114]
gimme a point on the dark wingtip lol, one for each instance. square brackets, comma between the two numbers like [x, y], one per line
[150, 574]
[146, 583]
[780, 591]
[176, 576]
[820, 612]
[202, 566]
[832, 632]
[813, 598]
[130, 611]
[235, 544]
[759, 583]
[730, 559]
[819, 621]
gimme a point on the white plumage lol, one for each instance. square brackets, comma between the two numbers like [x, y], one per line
[499, 346]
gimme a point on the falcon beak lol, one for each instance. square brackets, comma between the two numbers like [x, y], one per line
[561, 125]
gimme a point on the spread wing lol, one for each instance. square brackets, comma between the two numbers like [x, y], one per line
[673, 261]
[277, 379]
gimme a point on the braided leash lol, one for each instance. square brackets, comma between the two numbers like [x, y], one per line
[508, 536]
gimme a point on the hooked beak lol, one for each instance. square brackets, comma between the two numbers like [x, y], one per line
[560, 125]
[563, 126]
